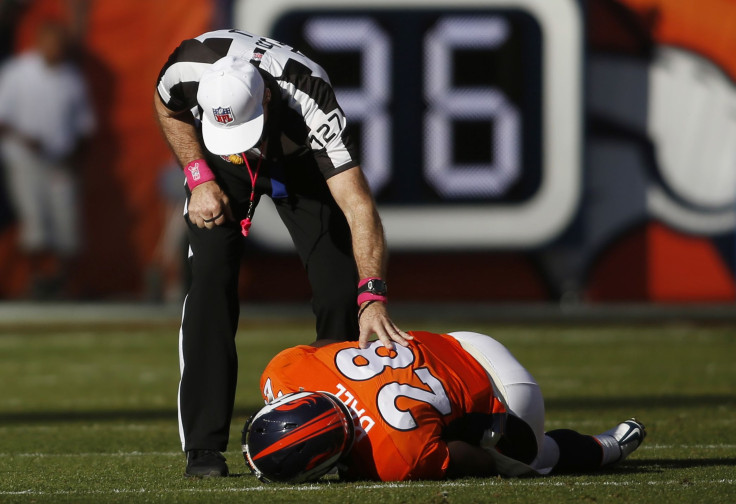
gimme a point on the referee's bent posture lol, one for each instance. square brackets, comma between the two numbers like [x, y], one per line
[247, 116]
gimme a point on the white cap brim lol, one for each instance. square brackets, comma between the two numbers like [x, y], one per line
[226, 140]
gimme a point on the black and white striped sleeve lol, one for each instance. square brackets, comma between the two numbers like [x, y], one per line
[178, 80]
[314, 99]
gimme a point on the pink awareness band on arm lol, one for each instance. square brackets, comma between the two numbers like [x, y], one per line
[197, 172]
[369, 296]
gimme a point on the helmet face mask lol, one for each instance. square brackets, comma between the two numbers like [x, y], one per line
[298, 437]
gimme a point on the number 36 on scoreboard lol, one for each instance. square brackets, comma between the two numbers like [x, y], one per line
[467, 112]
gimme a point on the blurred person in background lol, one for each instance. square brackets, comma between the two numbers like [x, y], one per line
[45, 116]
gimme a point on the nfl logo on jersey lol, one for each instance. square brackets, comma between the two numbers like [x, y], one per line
[223, 115]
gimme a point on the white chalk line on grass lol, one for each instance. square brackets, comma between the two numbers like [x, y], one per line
[644, 447]
[95, 454]
[685, 446]
[378, 486]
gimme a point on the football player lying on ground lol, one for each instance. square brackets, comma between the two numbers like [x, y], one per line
[447, 405]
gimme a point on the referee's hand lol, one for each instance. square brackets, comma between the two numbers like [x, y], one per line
[209, 206]
[375, 320]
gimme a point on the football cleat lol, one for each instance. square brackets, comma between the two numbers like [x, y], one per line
[628, 435]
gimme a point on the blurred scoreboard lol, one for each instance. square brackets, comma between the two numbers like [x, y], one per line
[467, 113]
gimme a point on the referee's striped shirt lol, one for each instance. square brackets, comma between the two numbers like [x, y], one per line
[311, 119]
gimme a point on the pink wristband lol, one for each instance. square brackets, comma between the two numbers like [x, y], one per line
[369, 296]
[197, 172]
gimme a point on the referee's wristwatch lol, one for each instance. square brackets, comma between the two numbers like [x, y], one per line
[374, 286]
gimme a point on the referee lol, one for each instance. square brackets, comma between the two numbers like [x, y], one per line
[247, 116]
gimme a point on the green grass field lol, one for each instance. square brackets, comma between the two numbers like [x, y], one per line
[88, 414]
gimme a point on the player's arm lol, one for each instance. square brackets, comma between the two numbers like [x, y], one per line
[208, 200]
[351, 192]
[469, 460]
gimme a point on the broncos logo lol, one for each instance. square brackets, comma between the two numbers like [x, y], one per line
[298, 437]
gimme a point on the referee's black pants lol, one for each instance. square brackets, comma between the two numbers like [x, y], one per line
[208, 359]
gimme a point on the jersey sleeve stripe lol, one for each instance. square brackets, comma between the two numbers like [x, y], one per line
[175, 75]
[316, 117]
[185, 65]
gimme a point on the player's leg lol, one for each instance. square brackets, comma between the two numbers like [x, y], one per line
[561, 450]
[524, 440]
[208, 357]
[513, 384]
[584, 453]
[322, 238]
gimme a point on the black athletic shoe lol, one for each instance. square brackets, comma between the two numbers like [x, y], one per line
[206, 464]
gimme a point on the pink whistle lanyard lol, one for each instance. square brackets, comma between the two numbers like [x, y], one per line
[245, 223]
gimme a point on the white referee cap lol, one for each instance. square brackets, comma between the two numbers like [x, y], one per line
[231, 96]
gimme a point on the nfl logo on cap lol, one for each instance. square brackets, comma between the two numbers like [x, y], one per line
[231, 93]
[223, 115]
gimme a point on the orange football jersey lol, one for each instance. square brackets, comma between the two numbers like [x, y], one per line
[401, 399]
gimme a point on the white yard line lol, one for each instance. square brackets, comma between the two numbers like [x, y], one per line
[95, 454]
[644, 447]
[697, 447]
[451, 484]
[493, 482]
